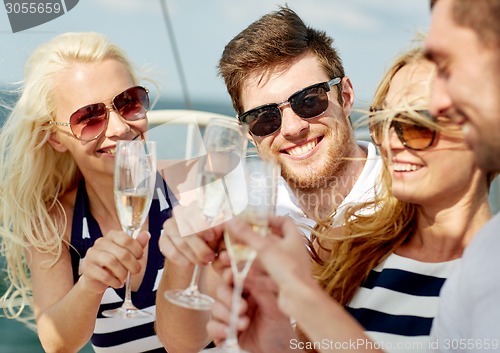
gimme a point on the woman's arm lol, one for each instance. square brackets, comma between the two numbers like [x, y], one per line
[65, 312]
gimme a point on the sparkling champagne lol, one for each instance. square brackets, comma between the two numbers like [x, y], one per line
[240, 254]
[132, 208]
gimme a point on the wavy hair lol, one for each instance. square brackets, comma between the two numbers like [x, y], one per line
[367, 237]
[34, 175]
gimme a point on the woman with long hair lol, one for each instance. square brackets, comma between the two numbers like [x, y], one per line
[65, 251]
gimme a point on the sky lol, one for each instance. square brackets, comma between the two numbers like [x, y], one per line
[368, 34]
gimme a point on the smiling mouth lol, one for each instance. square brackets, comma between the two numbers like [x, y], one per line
[108, 150]
[301, 150]
[405, 167]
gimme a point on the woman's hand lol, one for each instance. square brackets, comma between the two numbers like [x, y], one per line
[283, 253]
[188, 239]
[107, 263]
[262, 326]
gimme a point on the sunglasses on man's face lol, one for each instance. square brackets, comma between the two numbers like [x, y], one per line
[412, 134]
[89, 122]
[308, 103]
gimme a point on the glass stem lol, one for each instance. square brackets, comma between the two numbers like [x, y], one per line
[127, 302]
[232, 335]
[193, 284]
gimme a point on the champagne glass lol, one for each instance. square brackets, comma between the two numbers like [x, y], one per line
[134, 181]
[225, 144]
[261, 178]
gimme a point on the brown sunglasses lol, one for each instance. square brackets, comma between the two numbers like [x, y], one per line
[90, 121]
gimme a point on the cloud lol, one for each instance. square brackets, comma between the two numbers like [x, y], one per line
[127, 7]
[345, 15]
[360, 16]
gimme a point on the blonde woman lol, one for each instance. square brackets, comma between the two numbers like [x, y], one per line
[386, 267]
[66, 254]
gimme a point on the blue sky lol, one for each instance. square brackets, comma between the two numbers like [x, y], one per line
[368, 34]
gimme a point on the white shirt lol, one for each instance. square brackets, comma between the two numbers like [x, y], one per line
[363, 190]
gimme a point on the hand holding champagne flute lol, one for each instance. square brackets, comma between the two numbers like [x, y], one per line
[225, 145]
[261, 179]
[134, 181]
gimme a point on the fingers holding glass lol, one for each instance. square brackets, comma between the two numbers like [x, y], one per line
[134, 181]
[261, 178]
[224, 141]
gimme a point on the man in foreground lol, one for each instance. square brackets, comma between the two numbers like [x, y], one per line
[464, 42]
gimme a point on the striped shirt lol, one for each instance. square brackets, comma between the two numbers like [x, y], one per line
[117, 334]
[398, 301]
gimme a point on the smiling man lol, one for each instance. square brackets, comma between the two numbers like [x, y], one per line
[287, 83]
[464, 42]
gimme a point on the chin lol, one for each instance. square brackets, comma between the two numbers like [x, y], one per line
[406, 195]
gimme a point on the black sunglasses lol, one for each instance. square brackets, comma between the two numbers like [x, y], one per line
[412, 134]
[308, 103]
[89, 122]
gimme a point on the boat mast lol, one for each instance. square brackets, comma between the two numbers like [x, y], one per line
[178, 63]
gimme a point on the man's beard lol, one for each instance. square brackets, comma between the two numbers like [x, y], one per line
[310, 178]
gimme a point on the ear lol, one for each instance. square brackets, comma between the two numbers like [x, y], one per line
[347, 95]
[56, 143]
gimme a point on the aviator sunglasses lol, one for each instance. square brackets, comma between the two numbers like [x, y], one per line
[308, 103]
[89, 122]
[412, 134]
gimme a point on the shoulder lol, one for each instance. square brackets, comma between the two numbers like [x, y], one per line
[65, 218]
[470, 295]
[484, 248]
[479, 270]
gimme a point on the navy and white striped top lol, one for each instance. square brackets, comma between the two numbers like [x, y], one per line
[116, 334]
[399, 300]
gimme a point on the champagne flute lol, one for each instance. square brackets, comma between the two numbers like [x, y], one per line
[261, 185]
[225, 144]
[134, 181]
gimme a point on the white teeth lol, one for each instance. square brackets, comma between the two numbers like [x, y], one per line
[110, 151]
[301, 150]
[466, 128]
[404, 167]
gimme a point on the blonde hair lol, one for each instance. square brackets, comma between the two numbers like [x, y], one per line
[367, 239]
[34, 175]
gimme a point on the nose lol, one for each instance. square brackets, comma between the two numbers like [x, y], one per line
[292, 125]
[117, 126]
[440, 101]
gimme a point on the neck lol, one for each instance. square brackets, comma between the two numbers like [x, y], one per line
[443, 236]
[320, 202]
[100, 192]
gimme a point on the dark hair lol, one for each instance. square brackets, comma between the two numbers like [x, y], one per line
[479, 15]
[274, 42]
